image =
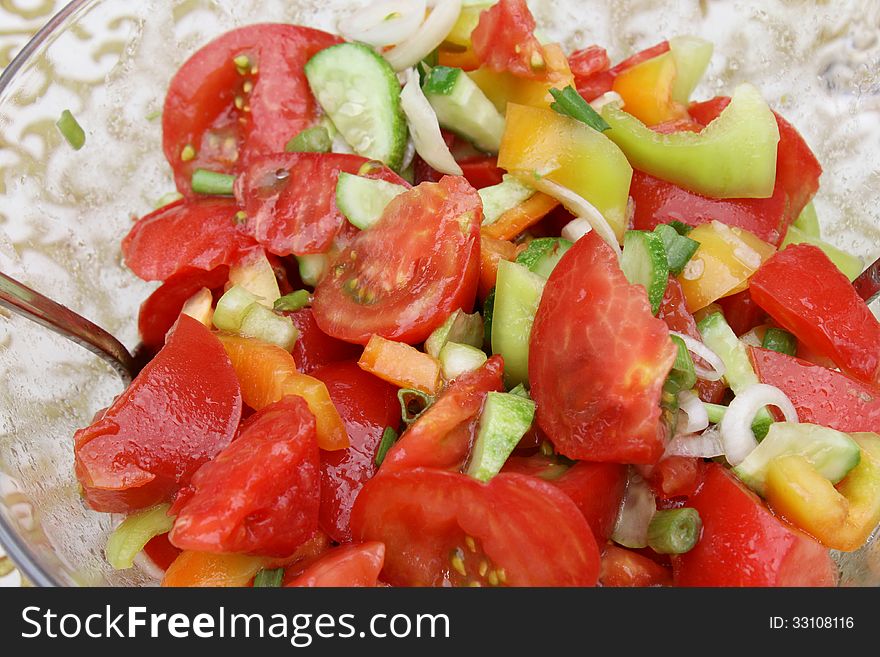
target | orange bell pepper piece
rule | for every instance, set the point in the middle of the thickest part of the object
(523, 216)
(465, 59)
(267, 373)
(206, 569)
(491, 251)
(646, 90)
(401, 365)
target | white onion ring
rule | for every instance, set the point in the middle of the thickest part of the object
(372, 24)
(581, 208)
(706, 445)
(576, 229)
(699, 349)
(736, 425)
(427, 37)
(424, 127)
(693, 409)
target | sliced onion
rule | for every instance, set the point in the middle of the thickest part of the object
(384, 22)
(751, 338)
(148, 566)
(699, 349)
(581, 208)
(736, 425)
(427, 37)
(706, 445)
(424, 128)
(607, 98)
(576, 229)
(697, 417)
(631, 529)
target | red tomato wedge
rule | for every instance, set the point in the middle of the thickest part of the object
(402, 278)
(314, 348)
(673, 310)
(367, 406)
(598, 329)
(596, 488)
(676, 476)
(741, 312)
(243, 95)
(161, 552)
(481, 171)
(592, 77)
(625, 568)
(290, 199)
(178, 414)
(808, 295)
(185, 235)
(442, 436)
(348, 566)
(820, 395)
(442, 528)
(261, 494)
(162, 308)
(504, 40)
(743, 544)
(797, 180)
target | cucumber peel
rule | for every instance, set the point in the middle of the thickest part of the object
(644, 263)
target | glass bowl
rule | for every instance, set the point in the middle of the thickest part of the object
(63, 213)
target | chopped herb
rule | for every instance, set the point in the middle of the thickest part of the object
(310, 140)
(389, 437)
(71, 130)
(680, 227)
(674, 531)
(269, 578)
(412, 404)
(569, 102)
(293, 301)
(679, 249)
(212, 183)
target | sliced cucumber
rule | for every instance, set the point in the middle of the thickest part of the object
(263, 324)
(312, 268)
(502, 197)
(517, 295)
(831, 452)
(850, 265)
(505, 419)
(232, 308)
(543, 254)
(462, 107)
(456, 359)
(458, 327)
(363, 200)
(720, 338)
(691, 56)
(808, 221)
(644, 263)
(360, 92)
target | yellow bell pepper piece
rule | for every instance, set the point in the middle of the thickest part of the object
(646, 90)
(723, 264)
(467, 21)
(541, 142)
(503, 88)
(841, 518)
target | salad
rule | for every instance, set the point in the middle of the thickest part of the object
(444, 305)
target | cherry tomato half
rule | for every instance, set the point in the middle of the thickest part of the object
(401, 278)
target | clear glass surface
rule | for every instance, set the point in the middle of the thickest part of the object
(63, 213)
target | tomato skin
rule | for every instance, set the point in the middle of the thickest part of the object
(625, 568)
(442, 436)
(673, 310)
(314, 349)
(295, 213)
(514, 521)
(820, 395)
(797, 180)
(596, 488)
(744, 544)
(162, 308)
(504, 40)
(598, 329)
(349, 566)
(201, 99)
(481, 171)
(367, 406)
(417, 265)
(808, 295)
(260, 495)
(183, 235)
(592, 77)
(180, 412)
